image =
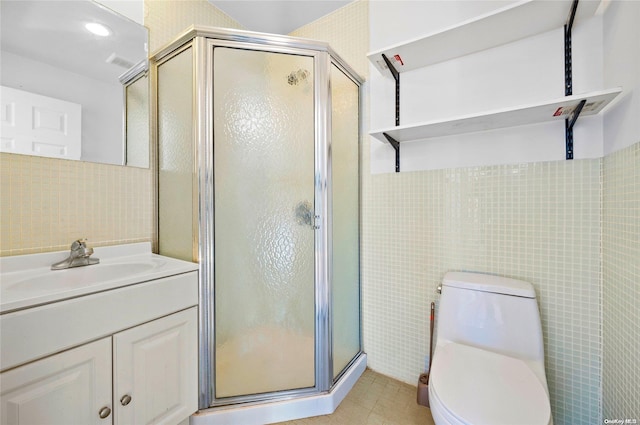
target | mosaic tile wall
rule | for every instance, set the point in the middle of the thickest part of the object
(48, 203)
(621, 284)
(166, 19)
(538, 222)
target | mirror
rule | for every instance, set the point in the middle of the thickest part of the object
(70, 93)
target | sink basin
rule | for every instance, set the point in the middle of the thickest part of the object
(28, 281)
(76, 277)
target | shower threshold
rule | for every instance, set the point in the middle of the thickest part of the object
(285, 410)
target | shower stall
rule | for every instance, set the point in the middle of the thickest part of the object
(258, 181)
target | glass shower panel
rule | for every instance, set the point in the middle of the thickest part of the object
(263, 112)
(345, 217)
(137, 123)
(175, 157)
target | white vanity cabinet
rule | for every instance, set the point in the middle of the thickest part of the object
(67, 388)
(154, 372)
(123, 354)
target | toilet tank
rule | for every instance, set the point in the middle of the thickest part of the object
(492, 312)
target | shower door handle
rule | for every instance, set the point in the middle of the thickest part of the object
(305, 216)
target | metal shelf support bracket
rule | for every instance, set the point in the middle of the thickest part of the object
(396, 145)
(568, 127)
(396, 76)
(393, 142)
(568, 80)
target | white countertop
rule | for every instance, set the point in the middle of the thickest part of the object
(27, 280)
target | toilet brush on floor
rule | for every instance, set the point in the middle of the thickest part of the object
(423, 380)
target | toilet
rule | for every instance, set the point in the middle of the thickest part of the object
(488, 362)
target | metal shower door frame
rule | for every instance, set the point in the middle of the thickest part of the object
(202, 40)
(205, 171)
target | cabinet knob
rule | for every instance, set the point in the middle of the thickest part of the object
(126, 399)
(104, 412)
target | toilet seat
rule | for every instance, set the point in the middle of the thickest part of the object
(476, 387)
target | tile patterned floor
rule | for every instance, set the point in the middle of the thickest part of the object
(375, 400)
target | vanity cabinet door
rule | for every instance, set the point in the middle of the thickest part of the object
(156, 370)
(72, 387)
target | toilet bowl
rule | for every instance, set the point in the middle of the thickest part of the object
(470, 385)
(488, 364)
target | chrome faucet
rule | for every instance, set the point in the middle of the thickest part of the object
(79, 256)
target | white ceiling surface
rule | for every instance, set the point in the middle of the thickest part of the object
(53, 32)
(277, 16)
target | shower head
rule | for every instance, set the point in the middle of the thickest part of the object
(297, 77)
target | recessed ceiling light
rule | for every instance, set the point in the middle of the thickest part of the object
(98, 29)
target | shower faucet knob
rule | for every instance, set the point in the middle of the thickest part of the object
(304, 214)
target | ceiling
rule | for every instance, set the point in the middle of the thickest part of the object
(53, 32)
(277, 16)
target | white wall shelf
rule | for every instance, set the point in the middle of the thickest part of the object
(516, 21)
(532, 113)
(505, 25)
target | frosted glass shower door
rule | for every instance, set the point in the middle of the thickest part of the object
(346, 220)
(263, 113)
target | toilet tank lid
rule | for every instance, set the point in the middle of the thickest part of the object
(489, 283)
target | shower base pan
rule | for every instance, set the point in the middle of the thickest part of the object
(286, 410)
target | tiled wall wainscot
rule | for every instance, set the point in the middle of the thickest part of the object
(621, 284)
(48, 203)
(538, 222)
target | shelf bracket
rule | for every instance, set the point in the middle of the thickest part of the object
(568, 127)
(396, 145)
(568, 81)
(396, 76)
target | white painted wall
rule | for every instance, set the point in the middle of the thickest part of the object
(102, 119)
(518, 73)
(621, 34)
